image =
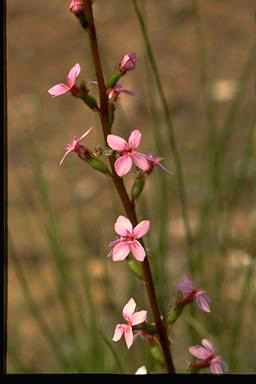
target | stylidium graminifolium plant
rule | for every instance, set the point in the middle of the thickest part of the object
(123, 156)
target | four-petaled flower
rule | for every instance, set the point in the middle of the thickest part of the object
(155, 161)
(61, 89)
(115, 91)
(132, 318)
(128, 62)
(189, 287)
(128, 152)
(206, 353)
(128, 241)
(75, 146)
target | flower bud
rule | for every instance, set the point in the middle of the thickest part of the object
(135, 267)
(77, 7)
(95, 163)
(137, 188)
(157, 353)
(173, 315)
(128, 62)
(90, 102)
(113, 79)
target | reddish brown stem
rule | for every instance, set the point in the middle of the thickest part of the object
(119, 185)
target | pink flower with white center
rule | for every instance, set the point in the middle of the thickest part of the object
(128, 241)
(155, 161)
(77, 7)
(189, 287)
(141, 371)
(75, 146)
(128, 62)
(206, 353)
(132, 318)
(115, 91)
(128, 152)
(61, 89)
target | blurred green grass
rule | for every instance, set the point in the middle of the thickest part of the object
(65, 296)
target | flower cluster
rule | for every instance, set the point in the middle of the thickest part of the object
(124, 154)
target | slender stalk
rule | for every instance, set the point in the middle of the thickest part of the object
(119, 185)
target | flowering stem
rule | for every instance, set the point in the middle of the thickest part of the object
(119, 185)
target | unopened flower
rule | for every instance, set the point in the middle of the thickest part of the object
(115, 91)
(128, 153)
(77, 7)
(155, 161)
(206, 353)
(128, 242)
(61, 89)
(128, 62)
(75, 146)
(190, 288)
(132, 318)
(141, 371)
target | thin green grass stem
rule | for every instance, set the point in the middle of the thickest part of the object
(37, 314)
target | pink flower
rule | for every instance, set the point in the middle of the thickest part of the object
(61, 89)
(115, 91)
(128, 62)
(132, 318)
(128, 241)
(128, 152)
(77, 7)
(75, 146)
(207, 354)
(141, 371)
(189, 287)
(155, 161)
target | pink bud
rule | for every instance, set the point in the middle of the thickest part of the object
(128, 62)
(77, 7)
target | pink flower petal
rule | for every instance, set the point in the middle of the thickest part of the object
(141, 229)
(123, 226)
(140, 160)
(84, 135)
(123, 165)
(134, 139)
(141, 371)
(128, 309)
(187, 286)
(218, 366)
(128, 336)
(117, 143)
(120, 252)
(208, 345)
(65, 155)
(72, 75)
(199, 352)
(138, 251)
(118, 332)
(58, 90)
(139, 317)
(202, 301)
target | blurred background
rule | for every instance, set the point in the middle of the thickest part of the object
(65, 295)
